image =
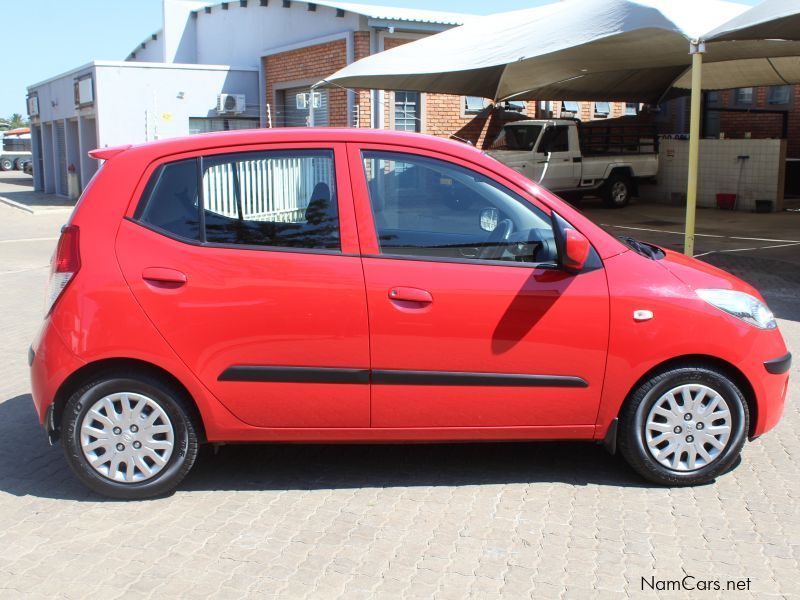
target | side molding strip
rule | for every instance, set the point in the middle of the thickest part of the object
(258, 373)
(392, 377)
(294, 374)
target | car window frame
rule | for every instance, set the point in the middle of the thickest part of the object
(370, 246)
(348, 238)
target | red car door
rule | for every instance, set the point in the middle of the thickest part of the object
(471, 323)
(246, 262)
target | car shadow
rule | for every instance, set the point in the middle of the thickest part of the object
(29, 466)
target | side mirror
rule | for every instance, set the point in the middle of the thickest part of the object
(573, 247)
(489, 218)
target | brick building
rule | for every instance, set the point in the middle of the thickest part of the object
(251, 63)
(754, 112)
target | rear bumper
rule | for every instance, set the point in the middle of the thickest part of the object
(51, 362)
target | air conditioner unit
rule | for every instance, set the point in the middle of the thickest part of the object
(231, 103)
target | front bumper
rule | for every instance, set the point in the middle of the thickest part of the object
(779, 366)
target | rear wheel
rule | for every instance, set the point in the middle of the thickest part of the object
(20, 163)
(617, 191)
(6, 164)
(129, 436)
(684, 426)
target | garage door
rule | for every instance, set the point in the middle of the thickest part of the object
(61, 158)
(295, 107)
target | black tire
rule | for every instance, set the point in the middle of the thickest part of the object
(617, 191)
(19, 164)
(171, 400)
(6, 164)
(633, 417)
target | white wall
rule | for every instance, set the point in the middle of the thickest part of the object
(240, 36)
(759, 177)
(138, 103)
(153, 50)
(180, 31)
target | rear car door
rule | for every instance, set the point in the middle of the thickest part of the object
(246, 262)
(471, 323)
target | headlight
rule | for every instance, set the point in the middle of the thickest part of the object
(743, 306)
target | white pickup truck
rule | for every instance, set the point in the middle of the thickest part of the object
(606, 159)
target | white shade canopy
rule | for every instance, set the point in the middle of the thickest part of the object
(622, 50)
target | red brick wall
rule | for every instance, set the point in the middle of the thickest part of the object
(311, 62)
(737, 124)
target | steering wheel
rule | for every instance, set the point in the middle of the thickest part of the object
(494, 244)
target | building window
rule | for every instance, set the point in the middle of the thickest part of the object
(570, 108)
(295, 104)
(779, 94)
(602, 110)
(84, 91)
(744, 96)
(33, 105)
(631, 108)
(407, 114)
(473, 105)
(205, 125)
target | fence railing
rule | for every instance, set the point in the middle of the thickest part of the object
(269, 189)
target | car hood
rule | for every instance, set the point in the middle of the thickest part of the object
(698, 274)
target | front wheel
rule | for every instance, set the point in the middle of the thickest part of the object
(685, 426)
(130, 436)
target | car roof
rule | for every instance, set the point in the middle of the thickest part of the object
(245, 137)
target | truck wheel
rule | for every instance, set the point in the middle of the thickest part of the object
(6, 164)
(19, 164)
(684, 426)
(617, 191)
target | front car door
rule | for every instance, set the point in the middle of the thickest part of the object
(471, 324)
(561, 170)
(246, 262)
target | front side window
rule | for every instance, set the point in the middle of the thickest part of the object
(428, 208)
(517, 137)
(281, 199)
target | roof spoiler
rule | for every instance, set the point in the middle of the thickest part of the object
(108, 153)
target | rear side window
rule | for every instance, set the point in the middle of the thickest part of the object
(277, 198)
(170, 200)
(283, 199)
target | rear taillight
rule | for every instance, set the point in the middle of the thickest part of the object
(65, 264)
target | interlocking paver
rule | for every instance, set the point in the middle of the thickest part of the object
(554, 520)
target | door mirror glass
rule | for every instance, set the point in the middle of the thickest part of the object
(489, 219)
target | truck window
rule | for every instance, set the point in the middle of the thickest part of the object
(555, 139)
(517, 137)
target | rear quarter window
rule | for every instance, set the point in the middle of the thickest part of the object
(170, 200)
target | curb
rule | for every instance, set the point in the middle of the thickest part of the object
(35, 210)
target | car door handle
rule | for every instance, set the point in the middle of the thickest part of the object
(163, 275)
(409, 294)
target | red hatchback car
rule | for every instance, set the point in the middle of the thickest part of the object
(322, 285)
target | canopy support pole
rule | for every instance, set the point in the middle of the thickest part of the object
(696, 49)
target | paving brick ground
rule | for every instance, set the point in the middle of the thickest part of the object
(555, 520)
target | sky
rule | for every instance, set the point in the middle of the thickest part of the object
(43, 38)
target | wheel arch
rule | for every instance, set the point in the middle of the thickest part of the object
(114, 365)
(702, 360)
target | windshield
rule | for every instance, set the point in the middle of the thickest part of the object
(517, 137)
